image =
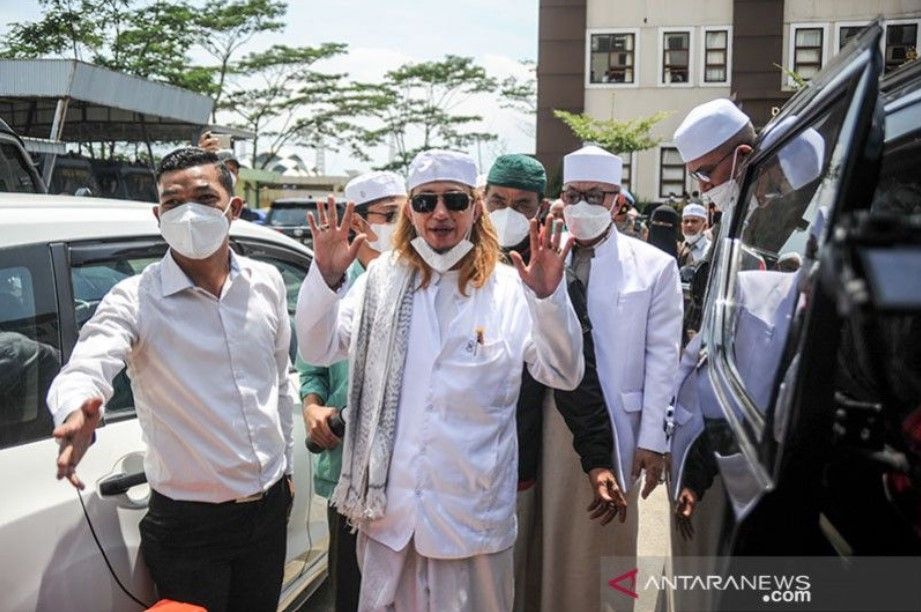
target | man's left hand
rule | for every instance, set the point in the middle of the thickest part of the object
(545, 268)
(654, 465)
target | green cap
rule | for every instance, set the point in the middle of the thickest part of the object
(518, 171)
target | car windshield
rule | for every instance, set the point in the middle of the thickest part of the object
(14, 171)
(141, 186)
(290, 216)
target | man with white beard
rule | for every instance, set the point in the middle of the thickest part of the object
(693, 228)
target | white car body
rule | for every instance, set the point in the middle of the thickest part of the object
(50, 560)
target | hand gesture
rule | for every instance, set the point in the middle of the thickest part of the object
(317, 418)
(609, 499)
(332, 253)
(654, 465)
(75, 436)
(545, 268)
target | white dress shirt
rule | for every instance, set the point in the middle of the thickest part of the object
(209, 376)
(453, 474)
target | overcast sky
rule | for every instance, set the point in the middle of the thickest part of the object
(383, 34)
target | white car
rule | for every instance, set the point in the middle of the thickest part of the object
(59, 255)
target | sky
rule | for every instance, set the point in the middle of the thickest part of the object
(384, 34)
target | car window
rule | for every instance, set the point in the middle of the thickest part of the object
(68, 180)
(14, 173)
(786, 201)
(91, 282)
(141, 186)
(286, 216)
(29, 344)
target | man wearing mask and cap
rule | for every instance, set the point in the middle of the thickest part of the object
(631, 304)
(436, 333)
(693, 228)
(378, 197)
(205, 336)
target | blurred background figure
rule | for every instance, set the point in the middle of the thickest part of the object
(663, 229)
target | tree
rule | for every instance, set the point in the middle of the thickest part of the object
(67, 27)
(288, 102)
(620, 137)
(520, 94)
(418, 107)
(225, 27)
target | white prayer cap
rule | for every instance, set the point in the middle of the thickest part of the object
(441, 165)
(802, 158)
(708, 126)
(592, 164)
(374, 186)
(694, 210)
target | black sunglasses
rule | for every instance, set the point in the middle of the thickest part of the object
(389, 216)
(454, 201)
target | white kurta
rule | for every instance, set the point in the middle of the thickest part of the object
(453, 475)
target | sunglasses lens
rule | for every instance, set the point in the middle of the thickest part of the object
(424, 202)
(456, 200)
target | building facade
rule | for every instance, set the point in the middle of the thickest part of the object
(629, 59)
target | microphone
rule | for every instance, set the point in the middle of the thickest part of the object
(336, 424)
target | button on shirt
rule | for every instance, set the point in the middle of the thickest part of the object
(209, 376)
(453, 474)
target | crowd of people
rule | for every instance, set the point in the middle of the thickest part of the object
(482, 345)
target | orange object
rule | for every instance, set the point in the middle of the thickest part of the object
(168, 605)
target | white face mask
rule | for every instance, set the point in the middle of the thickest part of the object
(441, 262)
(194, 230)
(586, 221)
(384, 233)
(723, 195)
(511, 226)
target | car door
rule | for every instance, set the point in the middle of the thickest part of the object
(816, 159)
(308, 535)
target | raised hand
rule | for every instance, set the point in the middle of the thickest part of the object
(332, 252)
(545, 268)
(609, 498)
(75, 436)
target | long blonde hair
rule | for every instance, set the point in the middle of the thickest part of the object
(476, 266)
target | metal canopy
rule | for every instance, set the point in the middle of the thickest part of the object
(96, 104)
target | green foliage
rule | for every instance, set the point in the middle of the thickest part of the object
(64, 29)
(520, 94)
(798, 80)
(619, 137)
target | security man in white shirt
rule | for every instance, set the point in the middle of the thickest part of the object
(436, 333)
(205, 336)
(634, 306)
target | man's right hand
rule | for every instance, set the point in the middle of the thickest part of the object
(317, 418)
(609, 497)
(332, 253)
(75, 436)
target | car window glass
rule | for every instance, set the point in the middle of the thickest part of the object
(293, 276)
(785, 203)
(290, 216)
(29, 344)
(14, 173)
(91, 282)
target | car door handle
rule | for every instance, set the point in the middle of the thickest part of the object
(120, 483)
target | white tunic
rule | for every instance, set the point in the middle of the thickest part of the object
(453, 475)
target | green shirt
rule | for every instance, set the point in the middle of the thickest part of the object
(331, 384)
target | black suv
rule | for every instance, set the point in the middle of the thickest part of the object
(797, 426)
(289, 216)
(17, 172)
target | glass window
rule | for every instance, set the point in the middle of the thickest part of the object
(676, 57)
(290, 216)
(293, 275)
(612, 58)
(14, 172)
(716, 56)
(672, 173)
(807, 52)
(628, 170)
(845, 33)
(901, 44)
(785, 205)
(29, 344)
(91, 282)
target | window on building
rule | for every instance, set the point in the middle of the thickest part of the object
(626, 178)
(676, 57)
(716, 56)
(845, 33)
(901, 44)
(613, 58)
(672, 177)
(807, 51)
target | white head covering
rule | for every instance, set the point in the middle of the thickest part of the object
(442, 165)
(708, 126)
(694, 210)
(592, 164)
(374, 186)
(801, 159)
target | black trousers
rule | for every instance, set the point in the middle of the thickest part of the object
(225, 556)
(344, 576)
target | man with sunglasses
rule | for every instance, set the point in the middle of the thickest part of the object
(378, 197)
(436, 333)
